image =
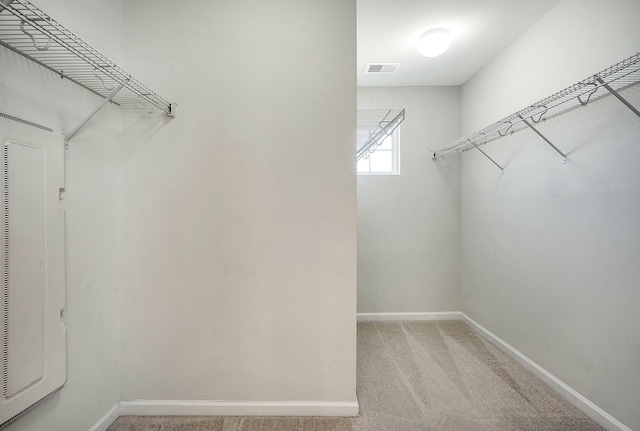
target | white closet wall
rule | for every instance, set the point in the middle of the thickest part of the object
(550, 252)
(240, 215)
(409, 225)
(92, 204)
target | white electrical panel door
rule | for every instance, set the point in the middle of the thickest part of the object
(33, 293)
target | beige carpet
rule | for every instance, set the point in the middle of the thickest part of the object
(418, 376)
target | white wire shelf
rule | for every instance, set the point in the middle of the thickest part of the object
(607, 82)
(374, 126)
(30, 32)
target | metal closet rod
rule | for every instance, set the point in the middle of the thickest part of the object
(622, 75)
(77, 47)
(41, 39)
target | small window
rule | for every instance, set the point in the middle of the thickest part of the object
(385, 160)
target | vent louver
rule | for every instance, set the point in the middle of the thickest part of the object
(382, 68)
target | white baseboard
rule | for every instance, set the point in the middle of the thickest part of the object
(107, 419)
(436, 315)
(239, 408)
(589, 408)
(349, 408)
(225, 408)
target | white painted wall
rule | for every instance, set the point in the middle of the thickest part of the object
(239, 216)
(550, 251)
(409, 224)
(92, 202)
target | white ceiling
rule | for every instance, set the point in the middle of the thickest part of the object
(388, 31)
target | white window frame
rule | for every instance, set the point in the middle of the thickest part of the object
(395, 151)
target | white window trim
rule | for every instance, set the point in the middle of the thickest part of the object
(395, 150)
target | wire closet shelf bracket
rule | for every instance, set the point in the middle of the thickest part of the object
(28, 31)
(607, 82)
(379, 131)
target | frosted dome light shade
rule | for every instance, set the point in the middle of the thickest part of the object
(434, 42)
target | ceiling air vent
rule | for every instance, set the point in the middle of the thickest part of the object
(382, 68)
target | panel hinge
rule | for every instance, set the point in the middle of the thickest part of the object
(61, 193)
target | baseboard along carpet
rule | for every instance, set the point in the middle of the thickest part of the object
(417, 375)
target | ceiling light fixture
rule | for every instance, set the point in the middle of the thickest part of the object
(434, 42)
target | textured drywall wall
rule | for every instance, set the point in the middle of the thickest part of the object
(240, 214)
(409, 224)
(550, 251)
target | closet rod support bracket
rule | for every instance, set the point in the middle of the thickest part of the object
(487, 156)
(96, 110)
(528, 123)
(172, 109)
(619, 97)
